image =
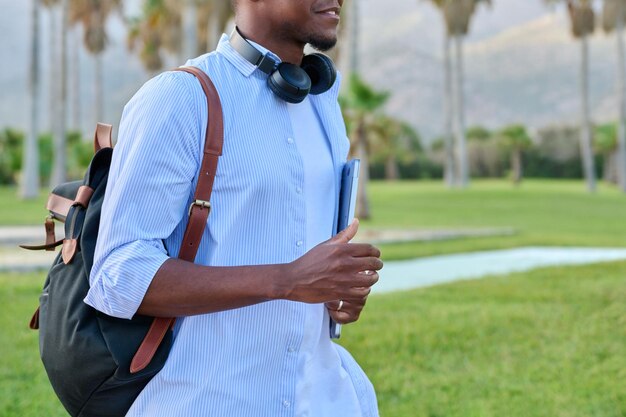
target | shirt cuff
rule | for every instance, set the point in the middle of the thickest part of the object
(119, 284)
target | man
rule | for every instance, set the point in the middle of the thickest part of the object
(254, 340)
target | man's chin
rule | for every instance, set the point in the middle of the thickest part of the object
(323, 44)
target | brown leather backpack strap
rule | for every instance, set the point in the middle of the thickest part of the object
(102, 138)
(198, 211)
(201, 206)
(150, 343)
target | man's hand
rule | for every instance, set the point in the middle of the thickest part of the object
(334, 270)
(347, 311)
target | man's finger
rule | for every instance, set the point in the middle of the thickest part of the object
(363, 249)
(347, 234)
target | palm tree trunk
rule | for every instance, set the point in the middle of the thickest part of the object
(354, 36)
(59, 165)
(585, 131)
(30, 174)
(202, 29)
(391, 168)
(362, 205)
(449, 166)
(98, 87)
(215, 23)
(607, 167)
(461, 146)
(190, 37)
(516, 165)
(53, 55)
(621, 93)
(76, 45)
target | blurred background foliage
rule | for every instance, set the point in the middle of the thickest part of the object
(161, 32)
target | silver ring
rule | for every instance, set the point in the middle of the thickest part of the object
(340, 305)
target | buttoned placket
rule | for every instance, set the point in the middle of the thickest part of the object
(292, 348)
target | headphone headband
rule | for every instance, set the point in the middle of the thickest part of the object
(264, 62)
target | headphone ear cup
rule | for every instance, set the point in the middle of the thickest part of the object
(321, 70)
(290, 83)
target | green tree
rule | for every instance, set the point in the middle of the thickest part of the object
(360, 104)
(10, 155)
(393, 140)
(515, 140)
(613, 20)
(165, 26)
(212, 18)
(158, 29)
(478, 133)
(606, 144)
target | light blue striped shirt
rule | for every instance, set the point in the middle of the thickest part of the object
(244, 362)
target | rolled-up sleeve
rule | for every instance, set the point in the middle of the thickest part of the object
(152, 173)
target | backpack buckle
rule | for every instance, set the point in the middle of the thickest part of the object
(200, 203)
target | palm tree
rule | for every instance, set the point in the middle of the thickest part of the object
(449, 174)
(30, 173)
(189, 29)
(606, 143)
(613, 19)
(457, 15)
(582, 19)
(360, 104)
(75, 77)
(212, 18)
(159, 29)
(93, 14)
(53, 43)
(515, 139)
(58, 112)
(393, 140)
(354, 33)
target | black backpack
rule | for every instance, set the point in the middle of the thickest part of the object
(98, 364)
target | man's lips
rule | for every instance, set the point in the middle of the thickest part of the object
(331, 12)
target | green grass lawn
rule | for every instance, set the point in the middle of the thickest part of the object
(17, 212)
(542, 344)
(542, 212)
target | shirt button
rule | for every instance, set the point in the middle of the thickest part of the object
(291, 349)
(289, 140)
(299, 190)
(299, 243)
(286, 404)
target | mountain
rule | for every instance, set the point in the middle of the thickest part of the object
(522, 66)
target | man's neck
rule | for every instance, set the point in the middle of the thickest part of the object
(291, 52)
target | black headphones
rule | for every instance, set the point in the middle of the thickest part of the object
(290, 82)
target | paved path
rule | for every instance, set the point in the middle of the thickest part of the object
(15, 235)
(402, 275)
(13, 258)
